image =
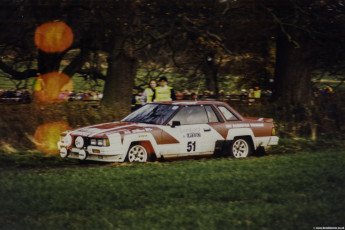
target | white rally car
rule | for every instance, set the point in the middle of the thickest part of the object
(170, 129)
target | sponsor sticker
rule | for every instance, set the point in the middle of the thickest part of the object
(244, 125)
(257, 125)
(190, 135)
(190, 130)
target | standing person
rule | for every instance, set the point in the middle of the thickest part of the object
(147, 95)
(38, 87)
(257, 92)
(163, 92)
(136, 101)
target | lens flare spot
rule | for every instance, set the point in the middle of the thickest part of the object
(47, 136)
(52, 85)
(53, 37)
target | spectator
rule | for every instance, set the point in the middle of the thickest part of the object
(63, 96)
(38, 87)
(148, 93)
(18, 94)
(251, 96)
(93, 96)
(26, 96)
(267, 93)
(136, 100)
(328, 90)
(179, 95)
(86, 96)
(257, 92)
(99, 95)
(194, 96)
(164, 92)
(205, 95)
(244, 95)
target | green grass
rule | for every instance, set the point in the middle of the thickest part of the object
(292, 191)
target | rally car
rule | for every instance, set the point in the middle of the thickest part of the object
(170, 129)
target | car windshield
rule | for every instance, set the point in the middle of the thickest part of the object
(152, 114)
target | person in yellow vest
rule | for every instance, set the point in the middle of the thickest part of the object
(38, 87)
(164, 92)
(136, 101)
(147, 95)
(257, 92)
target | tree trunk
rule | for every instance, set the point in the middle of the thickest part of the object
(49, 62)
(78, 62)
(119, 81)
(293, 69)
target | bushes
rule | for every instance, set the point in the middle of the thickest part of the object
(18, 123)
(288, 145)
(322, 119)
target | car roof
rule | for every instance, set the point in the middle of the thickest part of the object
(189, 102)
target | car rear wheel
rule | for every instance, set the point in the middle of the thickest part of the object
(240, 148)
(137, 153)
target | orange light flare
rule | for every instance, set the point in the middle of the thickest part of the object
(53, 37)
(52, 85)
(47, 136)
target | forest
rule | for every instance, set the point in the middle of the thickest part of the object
(288, 46)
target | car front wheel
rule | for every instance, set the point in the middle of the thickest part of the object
(137, 153)
(240, 148)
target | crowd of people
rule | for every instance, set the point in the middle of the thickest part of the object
(327, 90)
(163, 92)
(157, 91)
(26, 96)
(22, 96)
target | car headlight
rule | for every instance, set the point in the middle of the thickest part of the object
(100, 142)
(66, 139)
(93, 142)
(79, 142)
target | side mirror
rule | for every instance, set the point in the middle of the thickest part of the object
(175, 123)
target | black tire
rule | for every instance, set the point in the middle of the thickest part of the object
(241, 147)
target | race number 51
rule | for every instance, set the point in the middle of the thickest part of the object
(191, 145)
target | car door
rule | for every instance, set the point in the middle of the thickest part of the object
(195, 135)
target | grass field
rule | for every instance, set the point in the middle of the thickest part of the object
(291, 191)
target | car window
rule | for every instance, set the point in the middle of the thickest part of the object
(191, 115)
(152, 114)
(229, 116)
(212, 117)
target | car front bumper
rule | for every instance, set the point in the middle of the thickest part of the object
(92, 153)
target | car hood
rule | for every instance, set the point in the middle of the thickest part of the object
(106, 129)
